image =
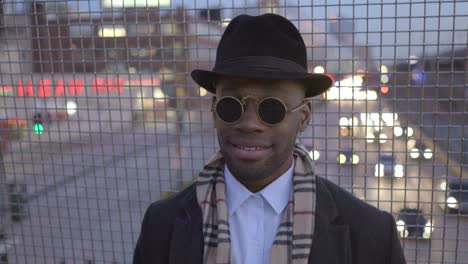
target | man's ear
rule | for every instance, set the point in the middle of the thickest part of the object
(306, 115)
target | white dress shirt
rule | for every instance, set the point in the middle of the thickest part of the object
(254, 218)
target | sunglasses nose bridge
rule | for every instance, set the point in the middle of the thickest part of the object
(250, 110)
(250, 118)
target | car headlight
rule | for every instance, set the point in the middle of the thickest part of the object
(443, 185)
(398, 131)
(429, 227)
(414, 153)
(382, 138)
(400, 225)
(452, 202)
(341, 158)
(379, 170)
(399, 171)
(344, 122)
(427, 154)
(355, 159)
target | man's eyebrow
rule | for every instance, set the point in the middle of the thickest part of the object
(229, 86)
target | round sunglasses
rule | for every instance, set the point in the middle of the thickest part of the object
(270, 110)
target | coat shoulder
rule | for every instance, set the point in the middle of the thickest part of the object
(350, 207)
(372, 232)
(157, 228)
(174, 206)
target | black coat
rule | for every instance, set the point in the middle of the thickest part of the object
(347, 230)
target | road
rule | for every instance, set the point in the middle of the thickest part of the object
(87, 200)
(419, 188)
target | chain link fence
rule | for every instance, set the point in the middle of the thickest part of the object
(99, 116)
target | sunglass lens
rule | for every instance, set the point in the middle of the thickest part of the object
(271, 111)
(229, 109)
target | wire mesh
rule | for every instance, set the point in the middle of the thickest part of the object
(99, 116)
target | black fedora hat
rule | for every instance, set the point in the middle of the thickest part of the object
(266, 47)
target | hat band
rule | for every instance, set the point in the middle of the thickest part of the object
(260, 62)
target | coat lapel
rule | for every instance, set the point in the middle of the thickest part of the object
(331, 237)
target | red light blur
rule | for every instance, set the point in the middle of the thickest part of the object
(384, 89)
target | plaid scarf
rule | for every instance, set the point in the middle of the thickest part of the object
(294, 237)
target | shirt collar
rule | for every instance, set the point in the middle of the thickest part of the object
(276, 193)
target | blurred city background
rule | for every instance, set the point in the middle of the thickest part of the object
(99, 116)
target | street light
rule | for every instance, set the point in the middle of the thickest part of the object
(319, 69)
(383, 69)
(314, 154)
(71, 108)
(203, 91)
(384, 78)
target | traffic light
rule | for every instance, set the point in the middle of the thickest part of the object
(38, 127)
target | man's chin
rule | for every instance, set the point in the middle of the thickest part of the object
(246, 171)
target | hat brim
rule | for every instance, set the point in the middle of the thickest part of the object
(314, 83)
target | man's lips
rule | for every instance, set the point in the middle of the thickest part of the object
(249, 151)
(248, 147)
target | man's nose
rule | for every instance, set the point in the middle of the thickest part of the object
(250, 121)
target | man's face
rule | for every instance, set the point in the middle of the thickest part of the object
(253, 150)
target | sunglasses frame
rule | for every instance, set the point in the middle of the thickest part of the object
(243, 101)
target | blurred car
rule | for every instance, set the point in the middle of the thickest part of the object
(411, 223)
(387, 167)
(405, 131)
(47, 117)
(347, 157)
(418, 150)
(11, 129)
(348, 126)
(456, 190)
(374, 135)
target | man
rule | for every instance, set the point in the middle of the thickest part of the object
(259, 200)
